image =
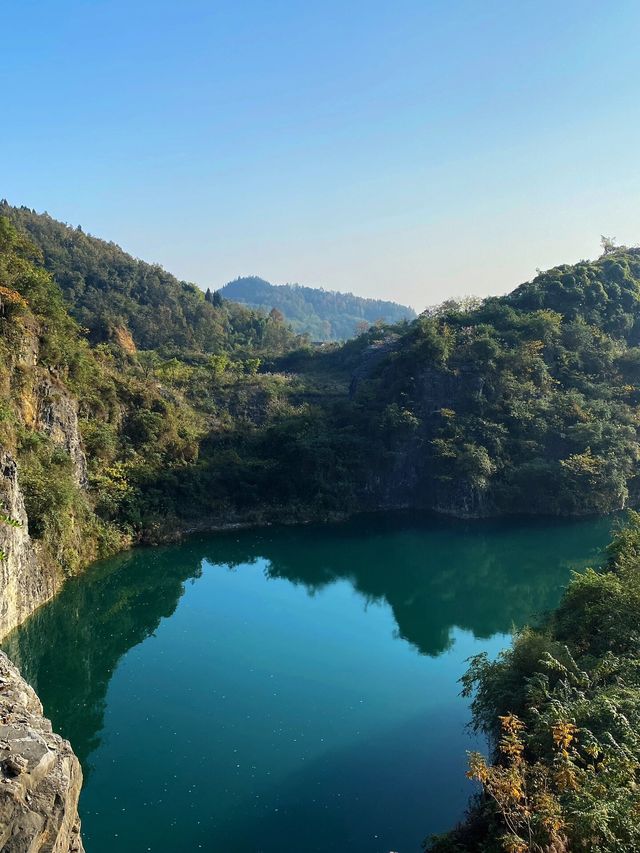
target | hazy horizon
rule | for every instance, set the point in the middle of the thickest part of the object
(413, 153)
(219, 285)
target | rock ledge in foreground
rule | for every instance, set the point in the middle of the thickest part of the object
(40, 777)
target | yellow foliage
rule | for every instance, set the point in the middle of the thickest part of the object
(11, 296)
(526, 794)
(563, 734)
(511, 743)
(565, 778)
(513, 844)
(584, 463)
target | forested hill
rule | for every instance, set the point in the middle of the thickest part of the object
(117, 296)
(523, 403)
(324, 315)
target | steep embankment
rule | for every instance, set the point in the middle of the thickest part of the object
(44, 508)
(40, 777)
(25, 582)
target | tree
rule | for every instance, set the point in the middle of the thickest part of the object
(276, 316)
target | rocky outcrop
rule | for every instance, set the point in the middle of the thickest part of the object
(43, 402)
(407, 477)
(25, 581)
(40, 777)
(371, 357)
(58, 418)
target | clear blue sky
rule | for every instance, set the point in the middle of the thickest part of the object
(406, 149)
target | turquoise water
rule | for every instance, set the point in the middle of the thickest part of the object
(288, 689)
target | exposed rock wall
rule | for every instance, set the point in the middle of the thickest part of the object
(25, 581)
(58, 418)
(43, 402)
(45, 405)
(407, 480)
(40, 777)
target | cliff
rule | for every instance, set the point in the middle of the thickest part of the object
(45, 534)
(58, 419)
(40, 777)
(25, 581)
(29, 573)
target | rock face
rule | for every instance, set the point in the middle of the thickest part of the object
(58, 418)
(25, 582)
(40, 777)
(370, 359)
(407, 478)
(43, 405)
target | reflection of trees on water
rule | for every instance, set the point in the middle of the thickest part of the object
(434, 575)
(480, 576)
(69, 649)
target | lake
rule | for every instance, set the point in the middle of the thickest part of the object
(288, 689)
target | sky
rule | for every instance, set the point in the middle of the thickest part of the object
(411, 150)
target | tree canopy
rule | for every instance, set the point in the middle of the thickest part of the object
(324, 315)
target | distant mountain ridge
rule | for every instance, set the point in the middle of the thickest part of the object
(324, 315)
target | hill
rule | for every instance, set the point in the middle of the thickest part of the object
(324, 315)
(525, 403)
(115, 295)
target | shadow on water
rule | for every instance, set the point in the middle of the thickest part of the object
(327, 805)
(434, 573)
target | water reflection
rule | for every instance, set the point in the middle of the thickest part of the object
(434, 575)
(69, 649)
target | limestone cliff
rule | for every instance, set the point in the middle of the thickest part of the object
(406, 479)
(40, 777)
(25, 581)
(57, 417)
(42, 405)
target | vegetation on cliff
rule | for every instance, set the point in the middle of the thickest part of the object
(525, 403)
(196, 412)
(173, 436)
(562, 709)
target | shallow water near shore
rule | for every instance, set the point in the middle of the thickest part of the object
(290, 688)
